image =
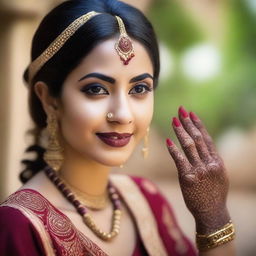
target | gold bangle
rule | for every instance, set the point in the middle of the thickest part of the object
(217, 238)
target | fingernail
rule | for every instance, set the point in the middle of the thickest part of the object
(193, 116)
(176, 122)
(169, 142)
(183, 112)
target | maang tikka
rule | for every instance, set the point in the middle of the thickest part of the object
(145, 146)
(124, 46)
(53, 155)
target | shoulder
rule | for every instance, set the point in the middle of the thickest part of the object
(146, 189)
(27, 199)
(11, 218)
(13, 222)
(156, 199)
(17, 233)
(175, 241)
(146, 185)
(15, 210)
(143, 185)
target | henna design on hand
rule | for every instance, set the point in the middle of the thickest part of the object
(202, 174)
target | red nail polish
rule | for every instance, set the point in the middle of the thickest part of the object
(183, 112)
(169, 142)
(176, 122)
(193, 116)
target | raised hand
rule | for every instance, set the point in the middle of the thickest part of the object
(202, 175)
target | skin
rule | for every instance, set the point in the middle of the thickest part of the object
(202, 176)
(88, 160)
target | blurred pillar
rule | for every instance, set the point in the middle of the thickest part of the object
(19, 20)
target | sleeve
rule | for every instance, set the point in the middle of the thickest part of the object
(17, 234)
(174, 239)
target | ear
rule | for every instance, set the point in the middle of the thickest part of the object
(49, 103)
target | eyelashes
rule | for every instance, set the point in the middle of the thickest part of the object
(97, 89)
(94, 89)
(140, 89)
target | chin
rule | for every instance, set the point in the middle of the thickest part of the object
(113, 160)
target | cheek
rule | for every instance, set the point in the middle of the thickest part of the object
(144, 114)
(81, 116)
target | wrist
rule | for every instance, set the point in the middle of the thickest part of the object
(220, 237)
(210, 222)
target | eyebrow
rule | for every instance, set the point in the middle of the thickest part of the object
(100, 76)
(141, 77)
(112, 80)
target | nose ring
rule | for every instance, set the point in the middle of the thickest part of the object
(110, 115)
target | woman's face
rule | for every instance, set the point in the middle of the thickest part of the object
(103, 84)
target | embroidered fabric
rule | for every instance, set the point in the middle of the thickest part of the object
(66, 239)
(61, 237)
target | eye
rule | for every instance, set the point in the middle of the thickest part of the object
(94, 89)
(140, 89)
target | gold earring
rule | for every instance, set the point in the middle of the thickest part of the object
(53, 155)
(144, 150)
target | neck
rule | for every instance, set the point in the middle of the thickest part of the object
(86, 175)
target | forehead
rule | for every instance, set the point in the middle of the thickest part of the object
(105, 59)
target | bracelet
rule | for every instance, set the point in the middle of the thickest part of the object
(217, 238)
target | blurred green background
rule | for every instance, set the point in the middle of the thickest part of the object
(216, 77)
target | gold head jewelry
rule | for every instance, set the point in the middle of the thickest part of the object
(145, 147)
(53, 154)
(124, 46)
(56, 45)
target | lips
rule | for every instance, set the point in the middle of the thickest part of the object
(115, 139)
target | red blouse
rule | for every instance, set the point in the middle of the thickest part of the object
(31, 225)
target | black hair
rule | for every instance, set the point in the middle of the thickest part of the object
(96, 30)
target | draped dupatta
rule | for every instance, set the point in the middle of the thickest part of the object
(158, 231)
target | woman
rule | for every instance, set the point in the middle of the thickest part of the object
(95, 65)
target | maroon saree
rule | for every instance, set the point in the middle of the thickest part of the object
(31, 225)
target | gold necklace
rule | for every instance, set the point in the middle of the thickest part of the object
(95, 202)
(87, 218)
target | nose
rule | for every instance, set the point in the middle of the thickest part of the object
(120, 110)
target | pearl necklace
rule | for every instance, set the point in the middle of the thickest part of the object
(81, 209)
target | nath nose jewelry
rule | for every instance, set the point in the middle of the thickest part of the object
(110, 115)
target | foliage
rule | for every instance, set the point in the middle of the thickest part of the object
(230, 98)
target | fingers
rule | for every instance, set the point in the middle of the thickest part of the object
(187, 143)
(180, 160)
(195, 134)
(199, 150)
(206, 137)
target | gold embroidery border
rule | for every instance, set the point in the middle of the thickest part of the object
(142, 213)
(37, 223)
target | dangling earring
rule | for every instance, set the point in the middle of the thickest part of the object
(144, 150)
(53, 154)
